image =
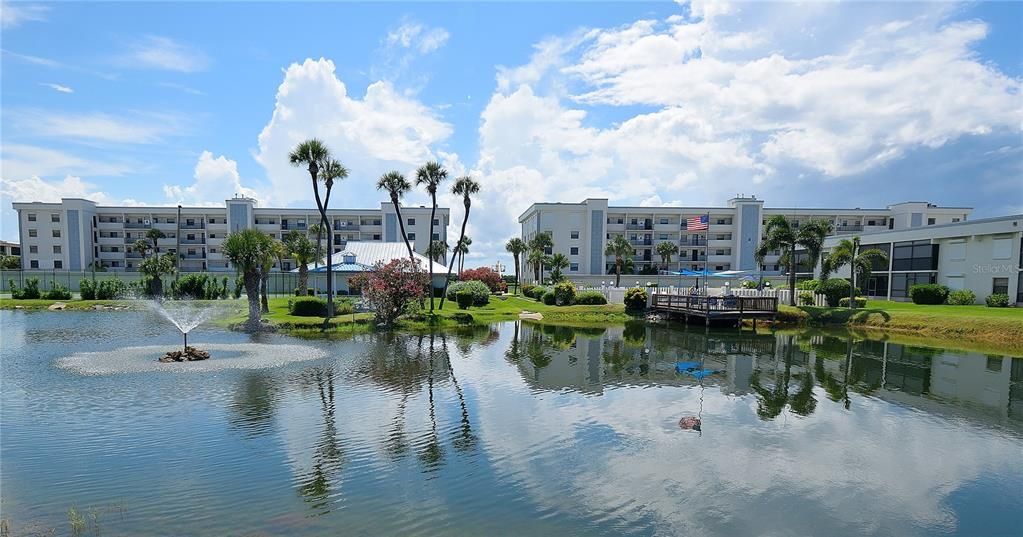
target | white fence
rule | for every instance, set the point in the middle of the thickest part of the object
(616, 295)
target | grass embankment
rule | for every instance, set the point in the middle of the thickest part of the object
(38, 304)
(999, 329)
(497, 310)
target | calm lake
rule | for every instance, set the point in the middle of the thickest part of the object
(512, 429)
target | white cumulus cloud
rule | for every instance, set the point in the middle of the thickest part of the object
(384, 130)
(216, 179)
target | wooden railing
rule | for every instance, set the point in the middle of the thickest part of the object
(741, 304)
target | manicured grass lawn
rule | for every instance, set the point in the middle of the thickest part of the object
(74, 305)
(996, 328)
(509, 307)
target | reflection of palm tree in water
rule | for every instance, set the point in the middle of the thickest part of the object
(771, 402)
(327, 456)
(431, 455)
(464, 439)
(253, 404)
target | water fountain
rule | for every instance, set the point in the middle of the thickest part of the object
(186, 315)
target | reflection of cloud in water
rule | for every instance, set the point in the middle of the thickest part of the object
(222, 356)
(879, 469)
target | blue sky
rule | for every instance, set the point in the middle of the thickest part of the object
(813, 104)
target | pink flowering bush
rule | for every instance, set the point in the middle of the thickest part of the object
(487, 275)
(391, 288)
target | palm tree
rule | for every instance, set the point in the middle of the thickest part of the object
(397, 186)
(861, 263)
(780, 234)
(466, 187)
(314, 155)
(535, 260)
(666, 250)
(246, 250)
(437, 250)
(142, 246)
(558, 263)
(331, 171)
(274, 253)
(154, 268)
(460, 250)
(516, 247)
(540, 243)
(431, 175)
(302, 250)
(154, 235)
(619, 247)
(319, 230)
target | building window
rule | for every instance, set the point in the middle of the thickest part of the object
(1000, 286)
(411, 221)
(573, 250)
(213, 235)
(436, 236)
(31, 217)
(719, 267)
(621, 220)
(547, 251)
(915, 255)
(436, 221)
(33, 249)
(930, 221)
(58, 264)
(573, 267)
(574, 235)
(56, 233)
(32, 233)
(901, 283)
(56, 248)
(376, 236)
(55, 218)
(411, 236)
(33, 263)
(954, 220)
(994, 364)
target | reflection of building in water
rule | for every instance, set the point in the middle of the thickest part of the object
(556, 358)
(991, 383)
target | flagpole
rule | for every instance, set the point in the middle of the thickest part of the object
(706, 277)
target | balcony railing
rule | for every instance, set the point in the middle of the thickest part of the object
(136, 225)
(639, 226)
(641, 242)
(345, 227)
(196, 225)
(193, 241)
(849, 228)
(694, 242)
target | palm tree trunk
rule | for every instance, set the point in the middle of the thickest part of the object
(264, 286)
(451, 265)
(330, 255)
(618, 273)
(303, 278)
(401, 226)
(516, 261)
(792, 275)
(323, 222)
(251, 279)
(433, 213)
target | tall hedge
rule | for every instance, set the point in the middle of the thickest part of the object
(928, 293)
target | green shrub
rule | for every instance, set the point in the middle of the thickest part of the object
(748, 284)
(111, 289)
(479, 290)
(635, 299)
(834, 290)
(549, 298)
(997, 300)
(198, 287)
(310, 306)
(809, 285)
(591, 298)
(806, 298)
(860, 302)
(527, 289)
(239, 286)
(962, 297)
(928, 293)
(308, 291)
(30, 291)
(307, 306)
(464, 298)
(536, 292)
(564, 294)
(58, 292)
(87, 288)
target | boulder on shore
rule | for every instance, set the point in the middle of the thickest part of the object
(190, 354)
(57, 306)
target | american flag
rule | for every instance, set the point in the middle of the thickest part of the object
(697, 223)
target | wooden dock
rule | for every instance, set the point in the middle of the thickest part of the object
(715, 308)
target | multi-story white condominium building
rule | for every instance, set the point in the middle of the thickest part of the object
(75, 233)
(9, 248)
(984, 256)
(727, 241)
